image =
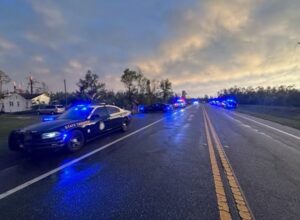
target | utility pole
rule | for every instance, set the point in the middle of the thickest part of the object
(65, 86)
(31, 84)
(15, 86)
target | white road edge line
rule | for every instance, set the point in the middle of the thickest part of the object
(43, 176)
(283, 132)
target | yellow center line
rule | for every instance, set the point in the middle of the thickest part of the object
(219, 188)
(239, 198)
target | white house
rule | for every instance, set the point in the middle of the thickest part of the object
(18, 102)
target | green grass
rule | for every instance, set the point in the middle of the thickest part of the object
(11, 122)
(289, 116)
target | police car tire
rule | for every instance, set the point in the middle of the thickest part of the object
(125, 125)
(70, 145)
(12, 145)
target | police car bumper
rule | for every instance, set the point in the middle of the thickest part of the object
(30, 142)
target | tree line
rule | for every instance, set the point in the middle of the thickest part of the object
(279, 96)
(138, 90)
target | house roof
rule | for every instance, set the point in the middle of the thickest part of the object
(24, 95)
(29, 96)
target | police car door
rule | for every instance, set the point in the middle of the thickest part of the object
(115, 116)
(102, 123)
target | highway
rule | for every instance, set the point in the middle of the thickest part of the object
(202, 162)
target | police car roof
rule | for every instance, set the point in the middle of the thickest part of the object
(87, 105)
(95, 105)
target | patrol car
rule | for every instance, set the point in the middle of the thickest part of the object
(72, 129)
(156, 107)
(180, 103)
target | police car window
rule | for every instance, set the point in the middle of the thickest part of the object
(112, 110)
(77, 113)
(101, 111)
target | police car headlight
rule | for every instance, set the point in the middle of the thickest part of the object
(51, 135)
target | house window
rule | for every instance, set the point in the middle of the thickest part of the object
(11, 103)
(18, 104)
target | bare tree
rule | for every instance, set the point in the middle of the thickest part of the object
(32, 84)
(166, 89)
(152, 93)
(129, 79)
(4, 78)
(43, 88)
(141, 82)
(183, 94)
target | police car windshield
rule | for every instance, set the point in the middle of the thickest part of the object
(77, 113)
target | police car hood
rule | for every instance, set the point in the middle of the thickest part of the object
(50, 125)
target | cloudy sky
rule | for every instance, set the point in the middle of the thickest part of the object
(201, 46)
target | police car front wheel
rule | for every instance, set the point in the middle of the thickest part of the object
(125, 125)
(76, 141)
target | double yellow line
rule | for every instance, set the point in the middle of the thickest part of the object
(239, 198)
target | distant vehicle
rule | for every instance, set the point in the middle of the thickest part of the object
(157, 107)
(51, 109)
(71, 130)
(227, 103)
(223, 104)
(192, 101)
(179, 103)
(230, 104)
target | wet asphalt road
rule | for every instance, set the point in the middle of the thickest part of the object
(162, 172)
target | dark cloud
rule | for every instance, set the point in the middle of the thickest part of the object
(202, 46)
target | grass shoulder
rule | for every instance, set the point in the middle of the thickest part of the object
(289, 116)
(10, 122)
